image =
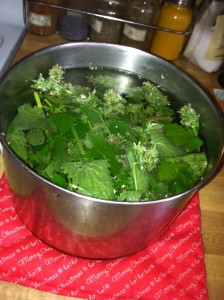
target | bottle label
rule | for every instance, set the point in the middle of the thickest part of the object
(215, 50)
(134, 33)
(96, 25)
(39, 20)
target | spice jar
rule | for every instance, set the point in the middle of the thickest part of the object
(106, 30)
(175, 15)
(144, 12)
(71, 24)
(42, 19)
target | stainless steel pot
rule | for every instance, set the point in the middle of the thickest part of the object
(85, 226)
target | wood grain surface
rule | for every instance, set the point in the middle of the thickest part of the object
(211, 196)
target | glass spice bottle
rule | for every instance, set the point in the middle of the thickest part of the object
(106, 30)
(72, 25)
(144, 12)
(175, 15)
(41, 19)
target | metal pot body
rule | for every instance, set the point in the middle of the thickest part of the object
(85, 226)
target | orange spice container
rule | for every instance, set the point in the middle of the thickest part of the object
(175, 15)
(42, 19)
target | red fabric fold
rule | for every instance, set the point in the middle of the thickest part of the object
(171, 268)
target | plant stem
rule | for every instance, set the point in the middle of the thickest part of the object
(105, 126)
(48, 102)
(78, 141)
(37, 98)
(134, 176)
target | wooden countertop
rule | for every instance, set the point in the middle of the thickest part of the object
(211, 196)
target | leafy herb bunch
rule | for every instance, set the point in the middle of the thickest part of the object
(98, 142)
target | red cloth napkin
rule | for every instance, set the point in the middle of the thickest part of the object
(172, 268)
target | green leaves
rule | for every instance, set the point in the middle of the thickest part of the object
(182, 172)
(63, 122)
(92, 178)
(108, 145)
(29, 117)
(180, 136)
(95, 180)
(35, 137)
(18, 143)
(140, 177)
(165, 147)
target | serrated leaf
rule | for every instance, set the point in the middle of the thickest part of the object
(59, 147)
(51, 169)
(182, 137)
(118, 126)
(129, 196)
(72, 170)
(17, 142)
(63, 122)
(35, 137)
(178, 175)
(165, 147)
(193, 144)
(169, 170)
(29, 117)
(158, 189)
(102, 149)
(197, 163)
(42, 156)
(95, 180)
(93, 116)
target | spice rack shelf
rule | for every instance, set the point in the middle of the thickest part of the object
(90, 13)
